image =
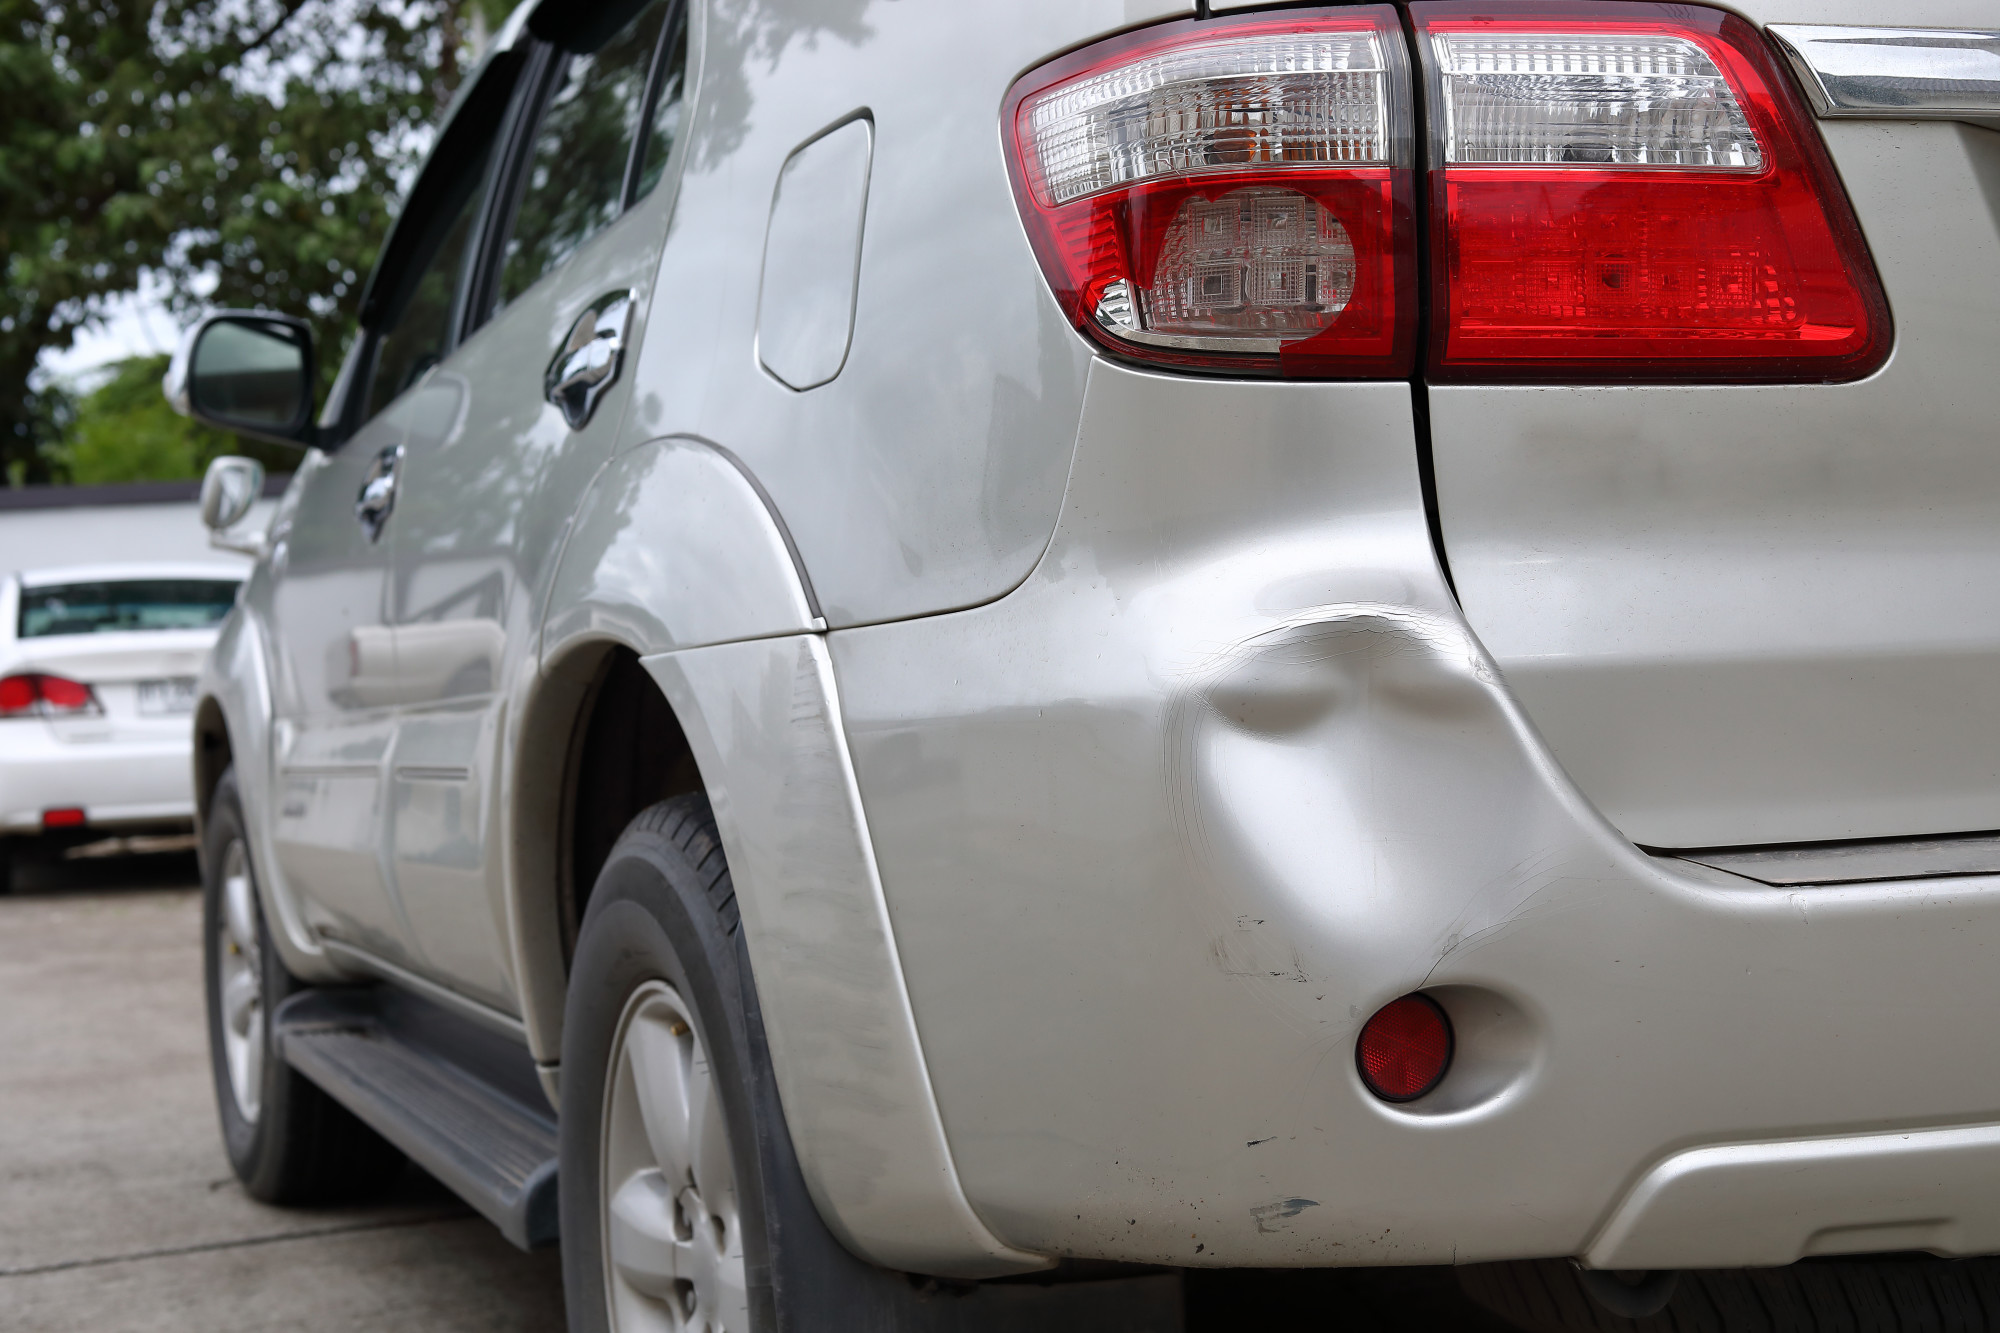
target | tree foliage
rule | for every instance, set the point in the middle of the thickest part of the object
(243, 152)
(124, 431)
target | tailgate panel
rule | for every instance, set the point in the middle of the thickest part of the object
(1757, 614)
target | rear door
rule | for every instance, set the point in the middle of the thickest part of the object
(493, 468)
(331, 719)
(1767, 613)
(338, 689)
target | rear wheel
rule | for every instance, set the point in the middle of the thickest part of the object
(670, 1209)
(287, 1141)
(663, 1213)
(683, 1206)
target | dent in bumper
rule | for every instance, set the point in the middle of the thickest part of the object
(1159, 830)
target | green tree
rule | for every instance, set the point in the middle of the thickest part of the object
(124, 431)
(245, 152)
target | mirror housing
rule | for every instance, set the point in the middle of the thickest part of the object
(227, 492)
(247, 371)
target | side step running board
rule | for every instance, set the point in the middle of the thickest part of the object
(408, 1070)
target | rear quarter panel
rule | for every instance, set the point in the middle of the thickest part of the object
(928, 474)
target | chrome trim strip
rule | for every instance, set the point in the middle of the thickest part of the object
(1896, 73)
(1855, 862)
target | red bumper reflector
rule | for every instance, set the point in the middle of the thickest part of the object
(67, 816)
(1405, 1049)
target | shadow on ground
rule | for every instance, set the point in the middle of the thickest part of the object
(40, 870)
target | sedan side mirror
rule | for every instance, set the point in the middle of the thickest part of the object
(227, 492)
(246, 371)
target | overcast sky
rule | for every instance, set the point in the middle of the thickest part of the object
(138, 325)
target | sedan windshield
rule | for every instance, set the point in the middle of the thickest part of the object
(128, 604)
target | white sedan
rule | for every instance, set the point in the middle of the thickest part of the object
(97, 682)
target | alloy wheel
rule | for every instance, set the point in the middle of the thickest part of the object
(240, 982)
(672, 1228)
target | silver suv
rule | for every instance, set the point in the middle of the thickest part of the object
(946, 663)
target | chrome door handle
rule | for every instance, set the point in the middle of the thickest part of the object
(590, 358)
(378, 491)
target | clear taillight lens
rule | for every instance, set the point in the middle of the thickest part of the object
(1632, 192)
(1233, 195)
(32, 694)
(1606, 99)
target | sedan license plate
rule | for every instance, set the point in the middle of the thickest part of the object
(163, 698)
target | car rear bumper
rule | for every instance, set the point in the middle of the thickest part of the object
(1159, 830)
(115, 782)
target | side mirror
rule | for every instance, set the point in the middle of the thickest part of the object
(249, 372)
(227, 492)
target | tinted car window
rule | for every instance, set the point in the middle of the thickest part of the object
(664, 125)
(136, 604)
(573, 181)
(420, 335)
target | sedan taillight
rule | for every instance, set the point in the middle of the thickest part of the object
(36, 694)
(1625, 192)
(1233, 195)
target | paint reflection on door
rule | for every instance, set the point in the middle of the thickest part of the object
(449, 588)
(334, 728)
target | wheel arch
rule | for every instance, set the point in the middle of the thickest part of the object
(597, 743)
(682, 648)
(213, 755)
(676, 545)
(673, 545)
(233, 728)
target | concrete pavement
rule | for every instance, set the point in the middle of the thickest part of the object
(117, 1208)
(118, 1211)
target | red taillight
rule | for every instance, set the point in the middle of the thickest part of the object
(1618, 193)
(1633, 192)
(1232, 195)
(17, 695)
(67, 816)
(1405, 1049)
(39, 695)
(66, 696)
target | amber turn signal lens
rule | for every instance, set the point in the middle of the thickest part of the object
(1405, 1049)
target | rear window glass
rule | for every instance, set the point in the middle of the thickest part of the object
(135, 604)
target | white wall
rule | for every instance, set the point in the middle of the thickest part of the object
(90, 534)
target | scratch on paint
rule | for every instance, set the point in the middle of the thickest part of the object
(1271, 1217)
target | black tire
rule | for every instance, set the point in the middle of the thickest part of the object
(1896, 1294)
(664, 909)
(6, 866)
(302, 1147)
